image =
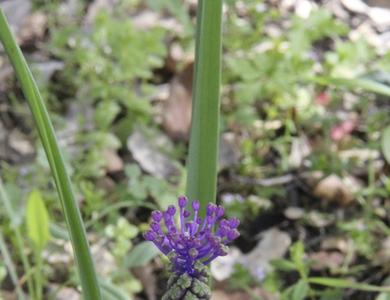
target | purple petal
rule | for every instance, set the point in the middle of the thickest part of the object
(195, 205)
(234, 223)
(149, 235)
(157, 215)
(210, 209)
(182, 201)
(220, 212)
(233, 234)
(171, 210)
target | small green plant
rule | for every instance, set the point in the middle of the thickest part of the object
(306, 286)
(122, 233)
(139, 187)
(109, 73)
(17, 233)
(37, 221)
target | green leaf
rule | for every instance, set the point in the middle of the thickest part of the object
(3, 272)
(300, 290)
(37, 106)
(297, 252)
(37, 220)
(111, 292)
(204, 141)
(58, 232)
(332, 294)
(386, 143)
(105, 113)
(362, 83)
(12, 198)
(383, 296)
(345, 283)
(9, 210)
(141, 254)
(283, 265)
(7, 263)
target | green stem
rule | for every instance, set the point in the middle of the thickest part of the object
(38, 273)
(18, 236)
(203, 149)
(86, 271)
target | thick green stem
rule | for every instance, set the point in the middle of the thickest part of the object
(86, 271)
(204, 140)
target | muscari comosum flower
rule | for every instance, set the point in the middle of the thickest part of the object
(191, 246)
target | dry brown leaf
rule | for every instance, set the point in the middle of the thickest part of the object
(356, 6)
(67, 294)
(300, 149)
(103, 259)
(380, 3)
(380, 17)
(335, 243)
(8, 295)
(229, 153)
(150, 159)
(33, 28)
(146, 20)
(337, 9)
(6, 72)
(323, 260)
(114, 162)
(273, 245)
(16, 11)
(332, 188)
(177, 110)
(319, 220)
(383, 255)
(3, 138)
(147, 277)
(294, 213)
(106, 183)
(20, 143)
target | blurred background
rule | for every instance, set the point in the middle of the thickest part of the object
(304, 147)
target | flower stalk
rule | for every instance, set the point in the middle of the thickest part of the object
(204, 136)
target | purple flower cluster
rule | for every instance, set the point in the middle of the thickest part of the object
(195, 240)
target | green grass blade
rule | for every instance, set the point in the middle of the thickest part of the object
(365, 84)
(88, 278)
(347, 284)
(203, 150)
